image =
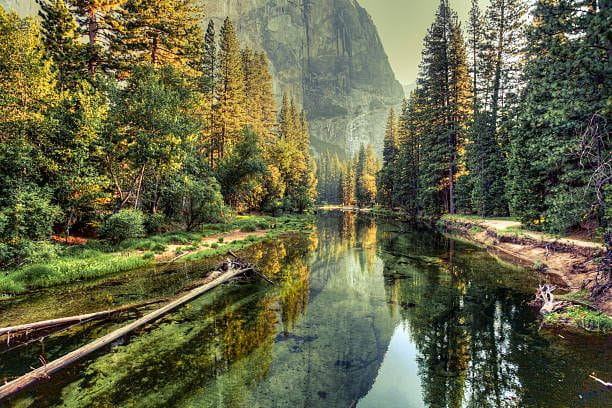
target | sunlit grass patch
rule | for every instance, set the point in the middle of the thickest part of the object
(581, 316)
(89, 264)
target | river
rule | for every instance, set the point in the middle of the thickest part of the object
(366, 313)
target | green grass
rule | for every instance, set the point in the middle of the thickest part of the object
(98, 259)
(87, 265)
(583, 317)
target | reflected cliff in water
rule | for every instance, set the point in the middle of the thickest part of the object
(364, 313)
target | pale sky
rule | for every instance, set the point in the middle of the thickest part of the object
(402, 25)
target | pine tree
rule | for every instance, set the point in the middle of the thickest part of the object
(366, 170)
(159, 32)
(349, 179)
(209, 60)
(567, 92)
(231, 104)
(505, 20)
(62, 41)
(476, 47)
(99, 22)
(406, 170)
(445, 83)
(390, 152)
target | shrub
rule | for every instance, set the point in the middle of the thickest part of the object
(249, 228)
(156, 223)
(29, 216)
(214, 246)
(221, 239)
(123, 225)
(148, 256)
(35, 273)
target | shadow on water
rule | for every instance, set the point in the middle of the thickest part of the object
(365, 313)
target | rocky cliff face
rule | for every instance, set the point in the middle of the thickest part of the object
(22, 7)
(327, 54)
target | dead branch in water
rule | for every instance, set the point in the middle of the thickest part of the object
(13, 387)
(47, 324)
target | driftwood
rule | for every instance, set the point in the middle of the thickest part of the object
(545, 295)
(602, 382)
(42, 373)
(47, 324)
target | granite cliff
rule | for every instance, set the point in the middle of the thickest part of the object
(327, 54)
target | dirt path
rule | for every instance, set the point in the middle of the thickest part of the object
(228, 238)
(502, 225)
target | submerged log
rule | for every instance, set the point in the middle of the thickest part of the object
(13, 387)
(47, 324)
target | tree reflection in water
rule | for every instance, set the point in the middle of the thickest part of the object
(325, 334)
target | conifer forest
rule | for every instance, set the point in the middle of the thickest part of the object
(317, 203)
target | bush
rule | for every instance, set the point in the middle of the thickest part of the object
(156, 223)
(125, 224)
(29, 216)
(35, 273)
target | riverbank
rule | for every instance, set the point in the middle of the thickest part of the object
(566, 262)
(96, 259)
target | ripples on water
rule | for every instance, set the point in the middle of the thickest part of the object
(365, 313)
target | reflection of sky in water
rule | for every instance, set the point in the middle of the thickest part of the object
(398, 383)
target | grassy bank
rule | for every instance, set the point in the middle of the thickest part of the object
(97, 259)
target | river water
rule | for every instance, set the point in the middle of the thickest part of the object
(366, 313)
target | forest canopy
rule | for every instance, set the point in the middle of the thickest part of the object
(108, 106)
(510, 117)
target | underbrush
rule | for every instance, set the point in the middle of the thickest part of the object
(581, 316)
(100, 258)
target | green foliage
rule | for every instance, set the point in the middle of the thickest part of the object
(366, 169)
(582, 316)
(559, 136)
(62, 41)
(123, 225)
(239, 172)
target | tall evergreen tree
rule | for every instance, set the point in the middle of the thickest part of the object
(407, 166)
(445, 83)
(231, 104)
(566, 97)
(209, 59)
(390, 152)
(62, 41)
(99, 22)
(159, 32)
(366, 170)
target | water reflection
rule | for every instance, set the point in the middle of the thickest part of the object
(364, 314)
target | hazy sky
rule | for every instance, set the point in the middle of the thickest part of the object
(402, 25)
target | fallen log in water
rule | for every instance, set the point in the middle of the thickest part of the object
(46, 324)
(44, 372)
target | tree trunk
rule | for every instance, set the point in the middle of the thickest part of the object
(92, 32)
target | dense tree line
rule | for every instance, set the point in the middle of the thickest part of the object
(112, 105)
(358, 180)
(510, 118)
